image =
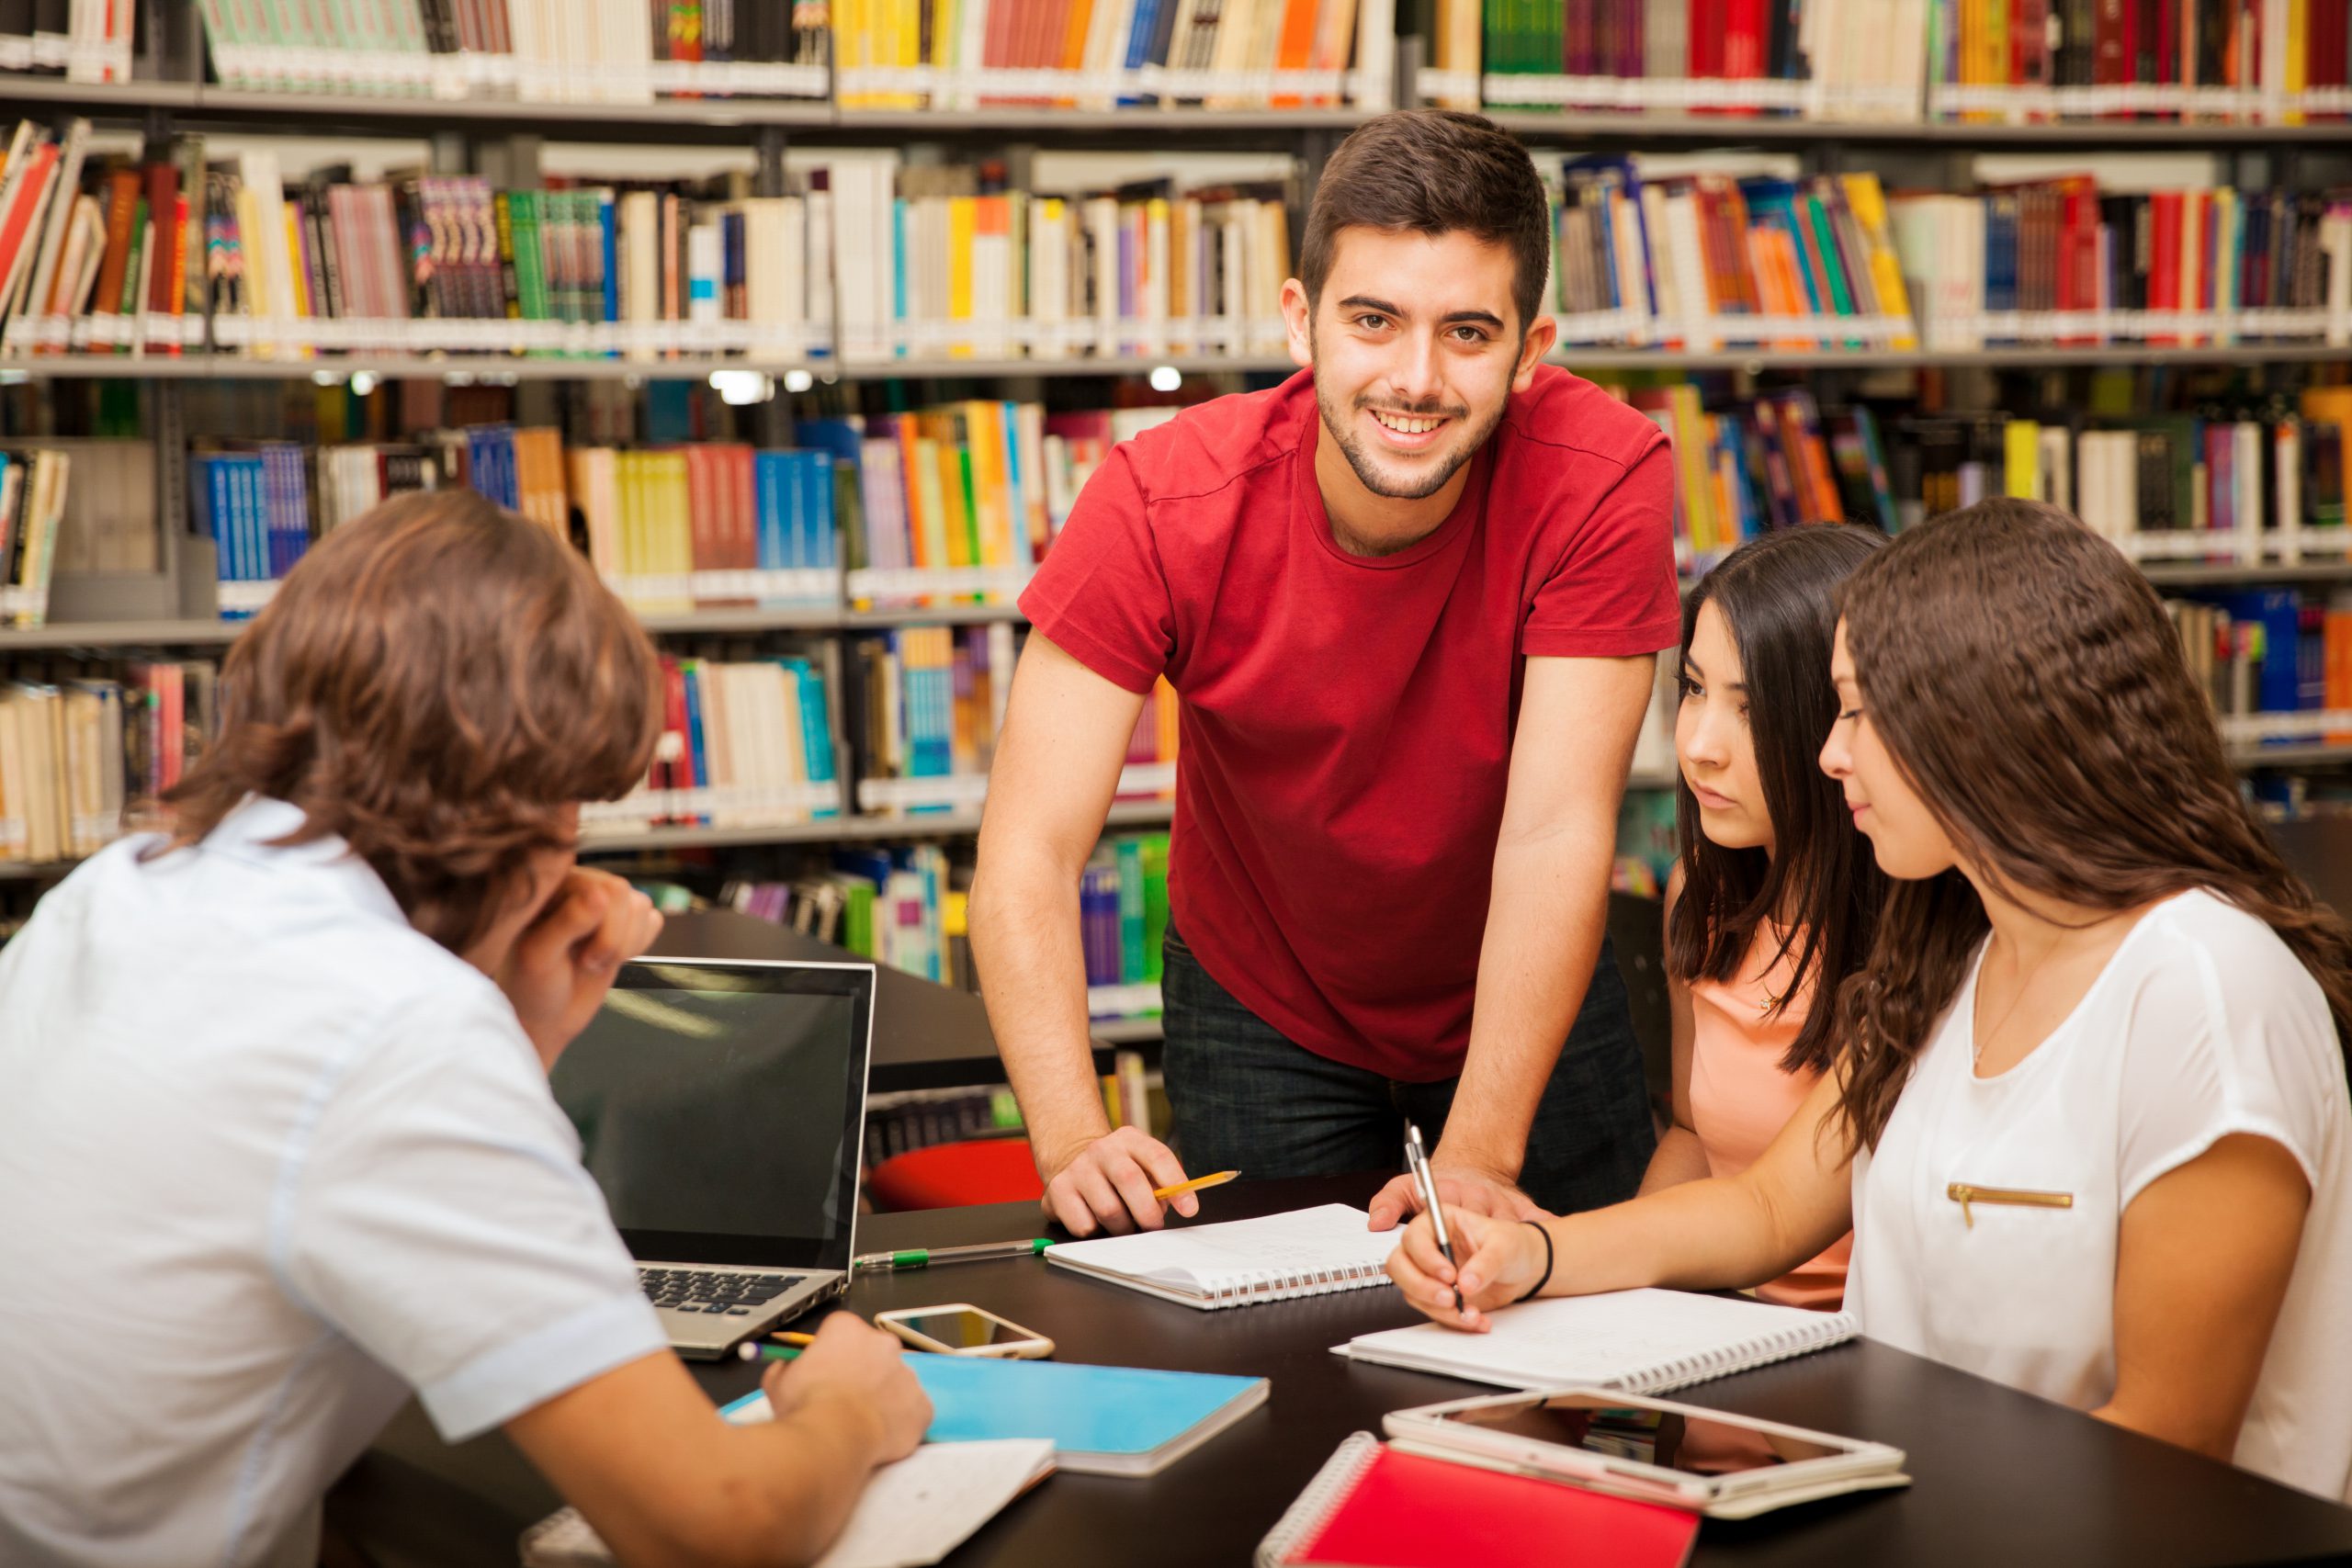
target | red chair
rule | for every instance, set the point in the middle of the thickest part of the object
(950, 1176)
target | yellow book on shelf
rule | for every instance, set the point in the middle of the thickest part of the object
(961, 215)
(1690, 465)
(2298, 35)
(679, 511)
(954, 512)
(1865, 199)
(849, 45)
(931, 505)
(992, 484)
(2021, 459)
(302, 304)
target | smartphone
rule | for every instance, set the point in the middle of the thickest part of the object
(961, 1330)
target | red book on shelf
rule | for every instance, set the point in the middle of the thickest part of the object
(1708, 19)
(2107, 45)
(2163, 260)
(163, 211)
(1371, 1506)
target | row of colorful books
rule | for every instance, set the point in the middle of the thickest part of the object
(1702, 262)
(1122, 915)
(2281, 62)
(77, 755)
(179, 253)
(898, 511)
(1849, 60)
(1106, 54)
(1777, 460)
(33, 488)
(2277, 62)
(594, 51)
(862, 257)
(2267, 656)
(2064, 262)
(906, 907)
(745, 743)
(924, 706)
(81, 41)
(2246, 481)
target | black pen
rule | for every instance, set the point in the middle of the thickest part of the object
(1417, 1161)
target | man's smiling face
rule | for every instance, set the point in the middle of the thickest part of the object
(1415, 347)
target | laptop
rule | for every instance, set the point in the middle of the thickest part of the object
(721, 1109)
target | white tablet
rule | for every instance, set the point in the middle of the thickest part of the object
(1726, 1466)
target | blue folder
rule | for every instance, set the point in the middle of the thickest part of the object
(1103, 1420)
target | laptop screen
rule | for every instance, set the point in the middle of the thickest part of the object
(720, 1106)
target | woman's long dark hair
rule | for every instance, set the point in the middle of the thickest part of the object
(1779, 597)
(2025, 678)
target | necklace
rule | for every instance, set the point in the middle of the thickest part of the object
(2024, 984)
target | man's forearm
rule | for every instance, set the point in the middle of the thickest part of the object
(1545, 921)
(1025, 945)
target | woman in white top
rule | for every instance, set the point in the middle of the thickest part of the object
(2093, 1131)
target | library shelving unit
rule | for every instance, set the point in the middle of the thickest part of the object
(167, 92)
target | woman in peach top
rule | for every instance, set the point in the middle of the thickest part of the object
(1777, 895)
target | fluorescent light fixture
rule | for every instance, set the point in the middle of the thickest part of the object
(739, 388)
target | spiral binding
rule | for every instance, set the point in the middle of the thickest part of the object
(1311, 1509)
(1829, 1329)
(1253, 1286)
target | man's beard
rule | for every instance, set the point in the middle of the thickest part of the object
(1367, 465)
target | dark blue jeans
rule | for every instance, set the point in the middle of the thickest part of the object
(1245, 1097)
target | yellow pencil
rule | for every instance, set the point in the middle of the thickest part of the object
(1219, 1179)
(793, 1339)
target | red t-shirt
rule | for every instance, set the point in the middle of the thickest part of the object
(1347, 720)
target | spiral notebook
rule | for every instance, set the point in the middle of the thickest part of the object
(1306, 1252)
(1374, 1507)
(1639, 1341)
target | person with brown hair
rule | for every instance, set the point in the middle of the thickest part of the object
(278, 1147)
(2092, 1128)
(1411, 601)
(1774, 900)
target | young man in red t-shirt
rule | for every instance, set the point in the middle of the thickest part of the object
(1411, 603)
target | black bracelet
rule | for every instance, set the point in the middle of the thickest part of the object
(1537, 1288)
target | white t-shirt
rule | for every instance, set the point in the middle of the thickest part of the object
(269, 1159)
(2202, 1024)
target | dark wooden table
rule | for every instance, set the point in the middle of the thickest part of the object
(2002, 1480)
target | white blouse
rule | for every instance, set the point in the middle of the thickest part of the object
(2202, 1024)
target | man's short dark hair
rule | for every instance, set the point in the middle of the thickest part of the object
(1434, 172)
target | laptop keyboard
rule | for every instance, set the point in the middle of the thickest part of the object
(709, 1291)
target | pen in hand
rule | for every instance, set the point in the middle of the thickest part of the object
(1417, 1161)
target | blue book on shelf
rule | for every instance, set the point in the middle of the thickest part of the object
(252, 512)
(768, 486)
(816, 727)
(1129, 1421)
(609, 236)
(206, 505)
(692, 671)
(2278, 612)
(813, 484)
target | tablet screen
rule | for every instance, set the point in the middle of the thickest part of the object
(1667, 1439)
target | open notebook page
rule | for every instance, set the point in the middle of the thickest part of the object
(1636, 1340)
(912, 1513)
(1302, 1243)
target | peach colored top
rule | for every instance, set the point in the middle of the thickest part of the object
(1740, 1097)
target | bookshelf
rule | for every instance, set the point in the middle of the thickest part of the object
(505, 370)
(505, 137)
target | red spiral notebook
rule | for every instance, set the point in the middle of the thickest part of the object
(1370, 1507)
